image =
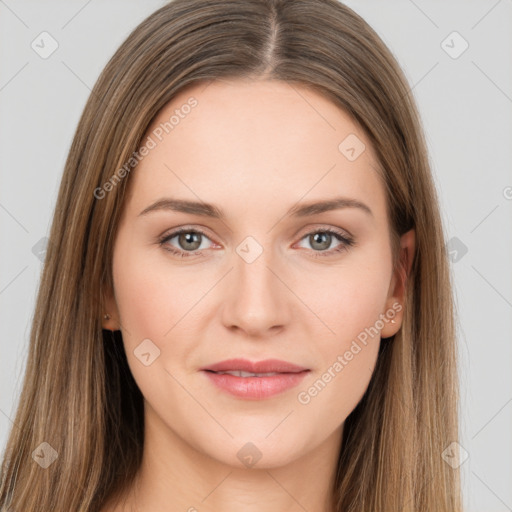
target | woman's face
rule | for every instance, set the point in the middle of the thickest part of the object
(261, 274)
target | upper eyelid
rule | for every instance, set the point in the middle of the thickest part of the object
(203, 231)
(184, 229)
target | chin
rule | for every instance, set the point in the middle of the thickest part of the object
(252, 451)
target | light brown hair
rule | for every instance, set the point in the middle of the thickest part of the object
(78, 393)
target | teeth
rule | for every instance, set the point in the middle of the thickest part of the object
(239, 373)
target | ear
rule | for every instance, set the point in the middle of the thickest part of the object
(396, 294)
(110, 309)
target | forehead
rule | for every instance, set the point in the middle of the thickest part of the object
(255, 143)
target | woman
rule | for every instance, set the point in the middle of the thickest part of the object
(246, 302)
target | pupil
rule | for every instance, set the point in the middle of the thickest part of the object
(189, 238)
(326, 242)
(322, 239)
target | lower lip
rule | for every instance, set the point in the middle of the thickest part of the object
(256, 388)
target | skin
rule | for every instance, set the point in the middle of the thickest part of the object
(254, 149)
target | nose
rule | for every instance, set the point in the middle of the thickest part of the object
(257, 301)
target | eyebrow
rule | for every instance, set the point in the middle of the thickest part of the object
(210, 210)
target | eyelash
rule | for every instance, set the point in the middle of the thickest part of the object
(346, 242)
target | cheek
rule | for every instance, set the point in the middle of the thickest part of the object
(331, 395)
(139, 297)
(346, 363)
(350, 298)
(351, 306)
(151, 299)
(152, 304)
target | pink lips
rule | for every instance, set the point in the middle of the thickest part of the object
(266, 366)
(288, 375)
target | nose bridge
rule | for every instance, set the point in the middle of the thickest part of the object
(258, 300)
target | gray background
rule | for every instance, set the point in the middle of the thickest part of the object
(465, 104)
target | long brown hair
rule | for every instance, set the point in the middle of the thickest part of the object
(78, 393)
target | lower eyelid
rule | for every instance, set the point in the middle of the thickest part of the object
(345, 241)
(166, 238)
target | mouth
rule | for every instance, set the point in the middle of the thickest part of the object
(257, 367)
(240, 373)
(254, 381)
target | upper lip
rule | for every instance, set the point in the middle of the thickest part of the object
(266, 366)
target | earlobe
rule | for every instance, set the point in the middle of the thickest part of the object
(110, 313)
(392, 320)
(395, 301)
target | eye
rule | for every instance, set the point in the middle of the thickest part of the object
(189, 241)
(321, 240)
